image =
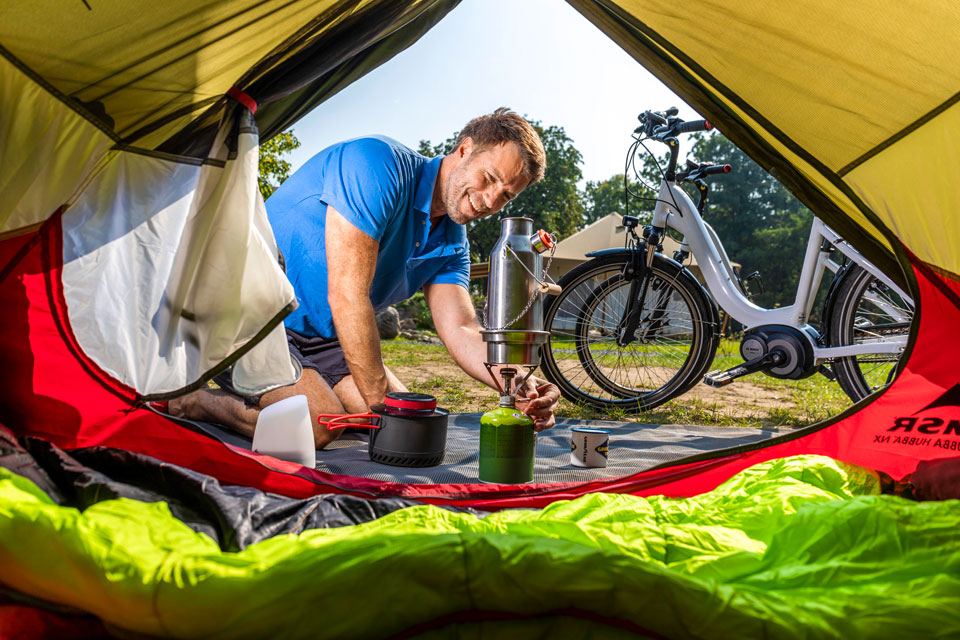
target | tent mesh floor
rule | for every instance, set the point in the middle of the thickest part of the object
(634, 447)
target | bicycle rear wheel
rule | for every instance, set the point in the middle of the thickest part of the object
(674, 346)
(867, 310)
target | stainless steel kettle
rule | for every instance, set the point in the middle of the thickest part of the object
(514, 331)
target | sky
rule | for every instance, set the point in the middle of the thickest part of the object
(541, 58)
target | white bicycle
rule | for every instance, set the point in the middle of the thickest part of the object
(634, 328)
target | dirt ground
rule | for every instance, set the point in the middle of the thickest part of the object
(441, 377)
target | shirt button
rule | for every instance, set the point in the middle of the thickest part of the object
(418, 244)
(424, 222)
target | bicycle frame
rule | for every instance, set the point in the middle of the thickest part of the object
(674, 209)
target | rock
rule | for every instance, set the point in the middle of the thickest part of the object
(420, 336)
(388, 323)
(408, 324)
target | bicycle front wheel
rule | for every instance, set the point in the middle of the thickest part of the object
(867, 311)
(672, 348)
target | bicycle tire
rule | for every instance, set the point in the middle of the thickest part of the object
(866, 309)
(581, 355)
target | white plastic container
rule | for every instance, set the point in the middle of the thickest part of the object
(283, 431)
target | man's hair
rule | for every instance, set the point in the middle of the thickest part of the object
(504, 125)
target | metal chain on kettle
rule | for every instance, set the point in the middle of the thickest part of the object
(537, 292)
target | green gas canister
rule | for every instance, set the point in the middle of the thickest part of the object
(507, 445)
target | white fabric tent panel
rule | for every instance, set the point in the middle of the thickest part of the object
(119, 245)
(226, 285)
(167, 272)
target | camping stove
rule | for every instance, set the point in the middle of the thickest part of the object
(514, 334)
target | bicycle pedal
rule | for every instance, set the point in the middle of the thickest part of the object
(723, 378)
(719, 378)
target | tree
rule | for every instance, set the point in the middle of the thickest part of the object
(273, 170)
(553, 203)
(762, 225)
(747, 199)
(607, 196)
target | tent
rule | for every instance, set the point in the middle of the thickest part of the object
(602, 234)
(136, 263)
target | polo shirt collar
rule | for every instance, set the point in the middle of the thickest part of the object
(428, 180)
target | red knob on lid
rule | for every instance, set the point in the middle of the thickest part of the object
(546, 239)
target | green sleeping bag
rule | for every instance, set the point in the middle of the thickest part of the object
(803, 547)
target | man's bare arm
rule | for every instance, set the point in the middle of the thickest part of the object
(351, 263)
(457, 325)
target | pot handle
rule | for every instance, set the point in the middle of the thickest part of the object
(336, 418)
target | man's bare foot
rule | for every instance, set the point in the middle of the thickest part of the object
(187, 406)
(215, 405)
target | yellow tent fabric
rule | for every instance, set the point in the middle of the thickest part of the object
(117, 126)
(141, 63)
(853, 106)
(860, 100)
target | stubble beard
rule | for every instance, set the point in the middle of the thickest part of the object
(454, 195)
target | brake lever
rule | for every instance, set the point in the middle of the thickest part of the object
(654, 117)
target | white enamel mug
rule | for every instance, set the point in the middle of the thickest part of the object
(588, 447)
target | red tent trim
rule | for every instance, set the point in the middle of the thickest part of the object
(58, 393)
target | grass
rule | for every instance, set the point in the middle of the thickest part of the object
(430, 369)
(397, 353)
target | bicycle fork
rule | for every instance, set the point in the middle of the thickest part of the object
(638, 272)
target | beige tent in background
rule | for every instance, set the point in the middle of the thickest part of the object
(605, 233)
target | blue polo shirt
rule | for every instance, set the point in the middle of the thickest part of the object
(384, 189)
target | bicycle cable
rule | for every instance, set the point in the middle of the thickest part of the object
(630, 166)
(663, 178)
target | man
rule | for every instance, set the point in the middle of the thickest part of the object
(367, 223)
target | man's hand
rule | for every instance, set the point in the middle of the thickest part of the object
(456, 322)
(542, 399)
(936, 479)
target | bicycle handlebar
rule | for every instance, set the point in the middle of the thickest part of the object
(664, 124)
(691, 126)
(695, 171)
(716, 168)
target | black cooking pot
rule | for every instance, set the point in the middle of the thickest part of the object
(412, 431)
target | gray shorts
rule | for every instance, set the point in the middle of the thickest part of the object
(323, 355)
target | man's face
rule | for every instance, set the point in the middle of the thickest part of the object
(483, 181)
